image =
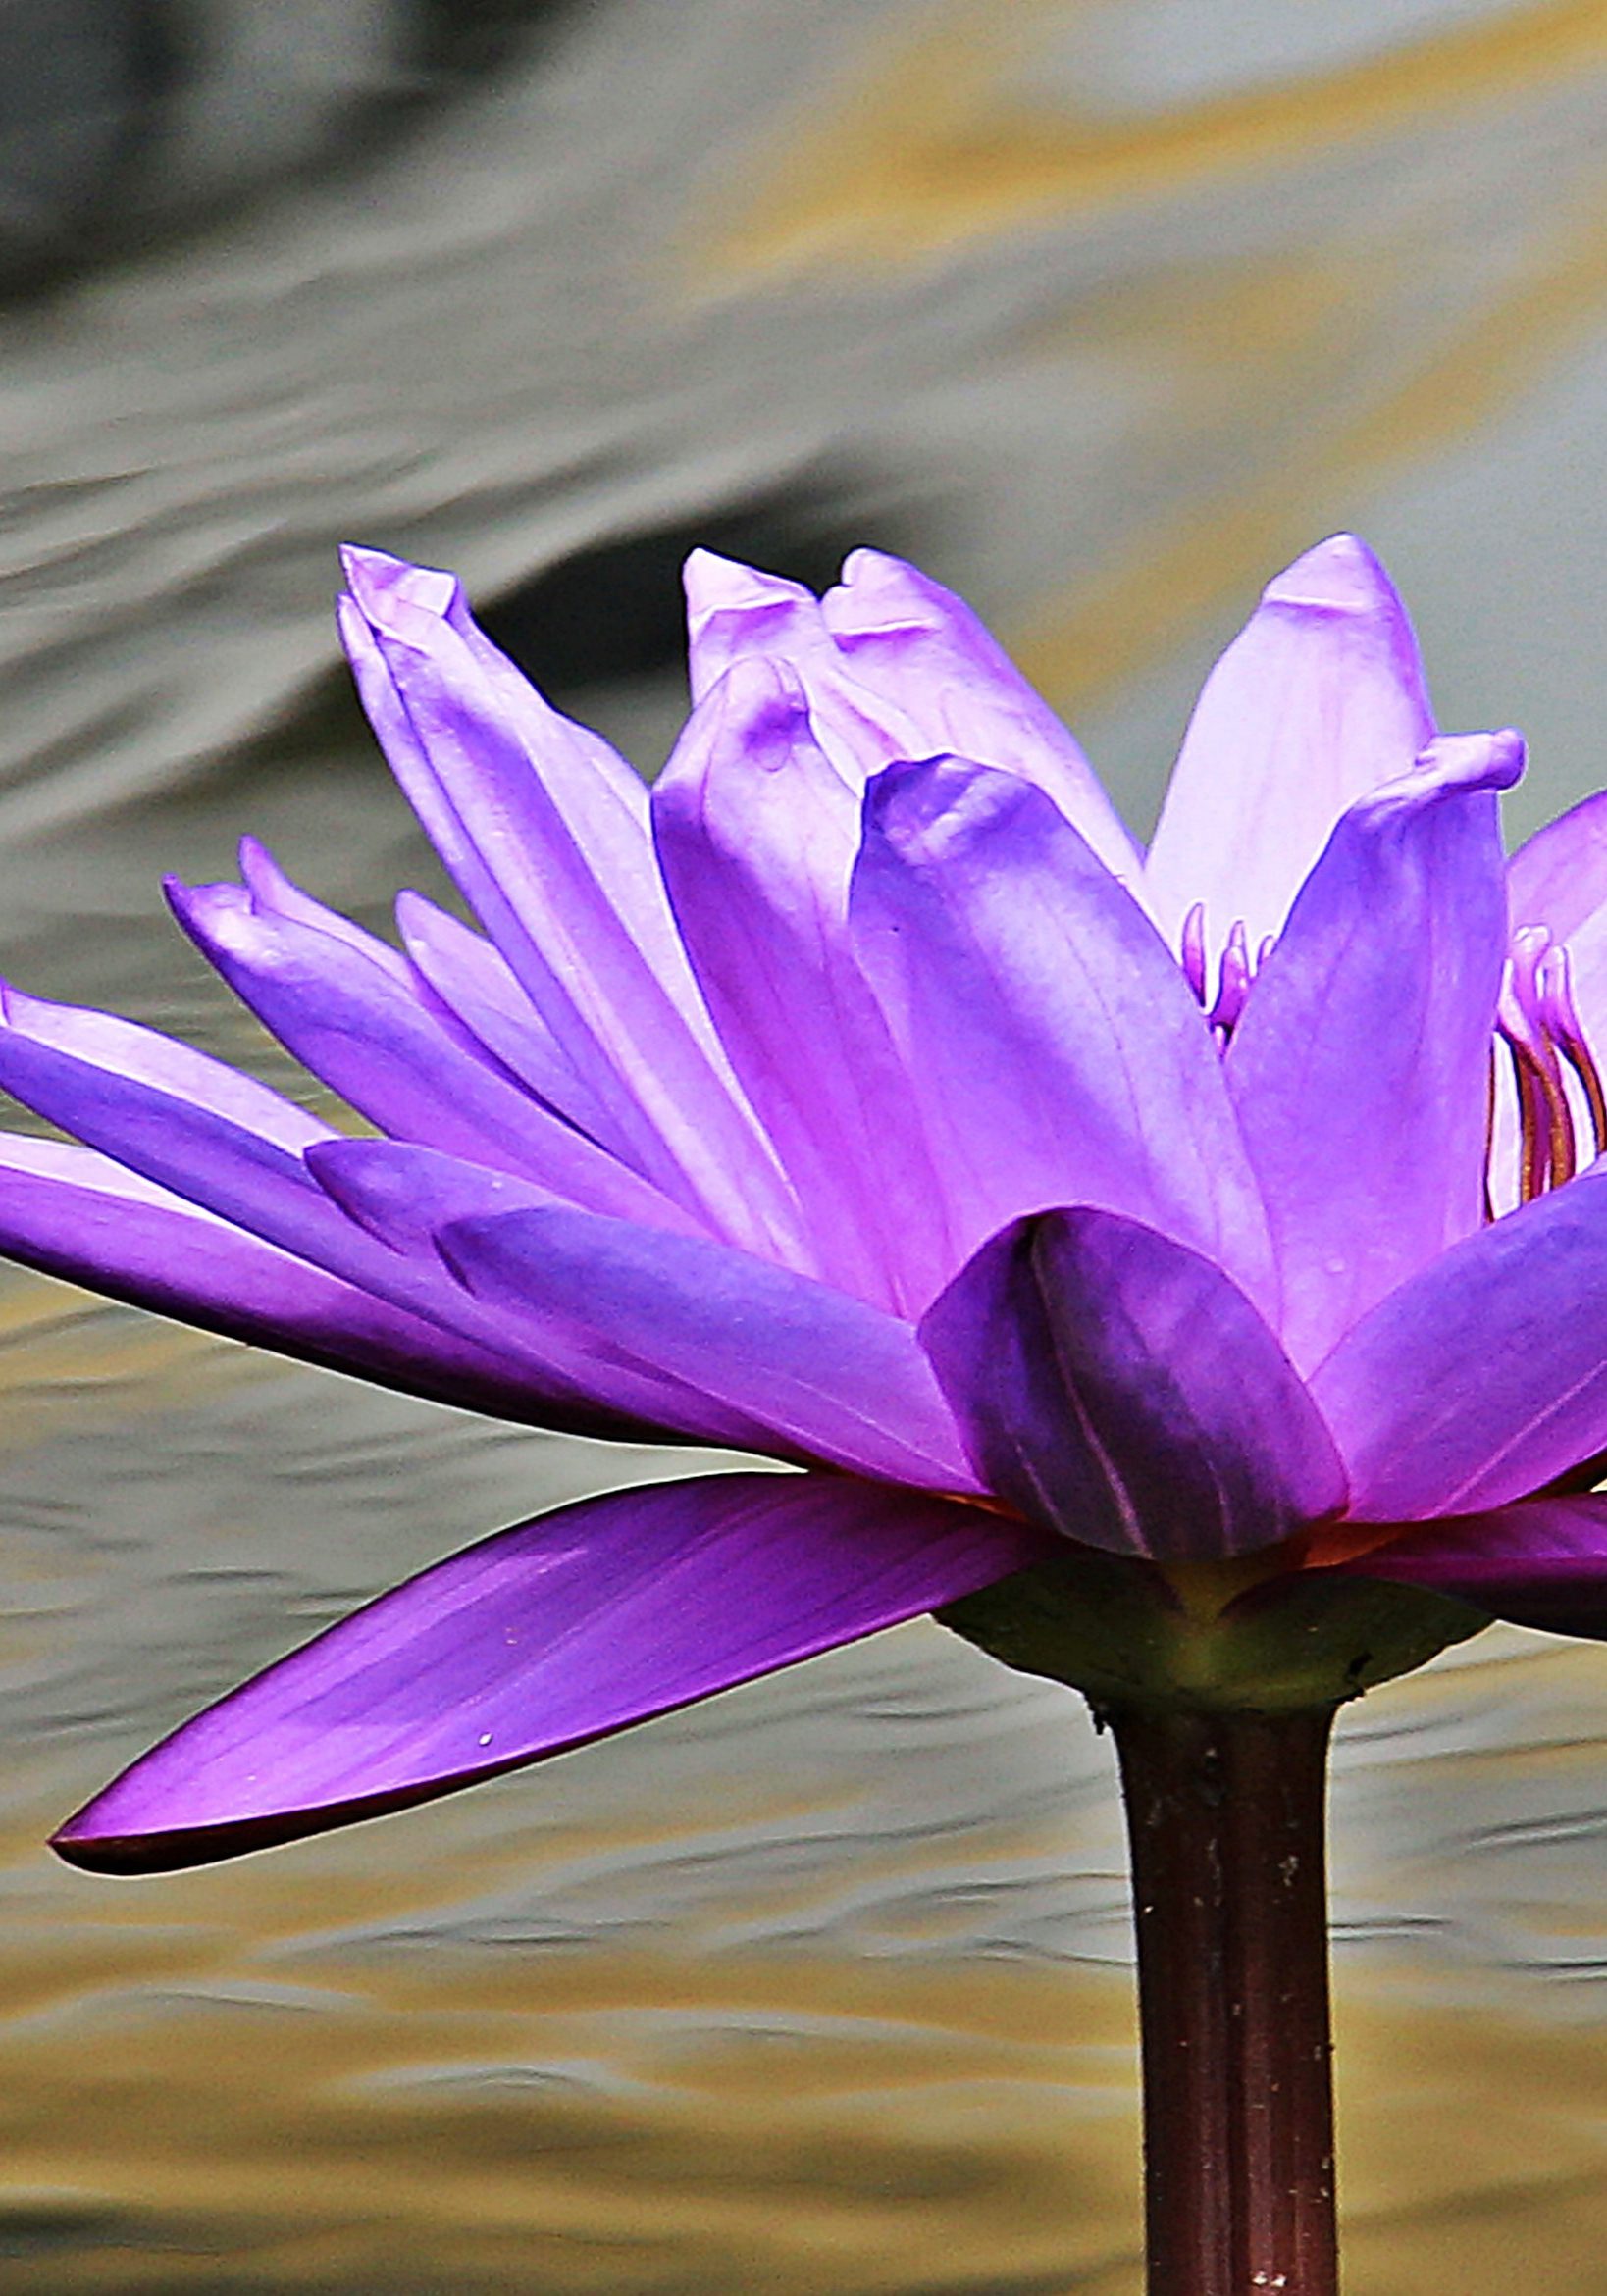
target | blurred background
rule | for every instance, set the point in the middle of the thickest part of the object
(1103, 309)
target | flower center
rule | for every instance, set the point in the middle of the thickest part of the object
(1539, 1023)
(1234, 973)
(1536, 1022)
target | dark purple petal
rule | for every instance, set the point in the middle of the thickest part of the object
(182, 1144)
(71, 1213)
(1541, 1562)
(827, 1377)
(757, 835)
(1055, 1053)
(404, 1196)
(1360, 1066)
(362, 1028)
(897, 667)
(1114, 1386)
(1484, 1378)
(551, 846)
(1315, 704)
(538, 1640)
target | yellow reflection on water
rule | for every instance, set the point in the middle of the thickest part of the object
(598, 2122)
(1082, 643)
(1269, 392)
(915, 149)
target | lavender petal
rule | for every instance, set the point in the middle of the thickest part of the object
(551, 846)
(757, 837)
(358, 1024)
(71, 1213)
(1319, 699)
(1360, 1068)
(1053, 1049)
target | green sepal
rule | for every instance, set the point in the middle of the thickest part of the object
(1209, 1636)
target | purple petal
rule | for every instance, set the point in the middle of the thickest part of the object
(359, 1026)
(1484, 1378)
(1319, 699)
(896, 667)
(55, 1061)
(187, 1123)
(404, 1196)
(122, 1048)
(757, 835)
(463, 973)
(550, 844)
(538, 1640)
(1558, 877)
(461, 959)
(1114, 1386)
(274, 895)
(827, 1377)
(1543, 1563)
(1055, 1051)
(71, 1213)
(737, 613)
(918, 645)
(1361, 1065)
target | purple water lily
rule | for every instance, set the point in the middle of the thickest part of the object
(865, 1100)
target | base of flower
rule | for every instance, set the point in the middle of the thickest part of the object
(1228, 1636)
(1219, 1683)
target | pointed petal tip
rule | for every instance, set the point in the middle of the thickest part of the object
(379, 586)
(865, 563)
(1339, 575)
(757, 705)
(868, 569)
(264, 880)
(1461, 762)
(714, 585)
(370, 571)
(756, 685)
(879, 592)
(927, 808)
(125, 1854)
(204, 911)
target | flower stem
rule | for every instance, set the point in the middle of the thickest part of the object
(1225, 1818)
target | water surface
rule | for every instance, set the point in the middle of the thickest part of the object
(1103, 310)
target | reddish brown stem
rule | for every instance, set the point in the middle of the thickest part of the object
(1225, 1818)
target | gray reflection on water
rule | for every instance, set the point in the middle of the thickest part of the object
(631, 278)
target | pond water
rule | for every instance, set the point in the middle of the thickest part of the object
(1103, 310)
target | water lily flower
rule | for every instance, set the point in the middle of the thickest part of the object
(864, 1099)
